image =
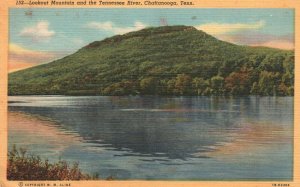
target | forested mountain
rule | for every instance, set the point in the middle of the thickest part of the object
(169, 60)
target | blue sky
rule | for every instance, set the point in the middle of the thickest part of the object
(53, 33)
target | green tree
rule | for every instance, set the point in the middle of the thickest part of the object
(217, 85)
(199, 85)
(268, 83)
(171, 86)
(183, 84)
(273, 63)
(254, 89)
(125, 87)
(237, 83)
(148, 85)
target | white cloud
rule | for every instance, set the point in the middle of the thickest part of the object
(38, 32)
(111, 27)
(222, 28)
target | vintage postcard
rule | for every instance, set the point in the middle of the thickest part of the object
(149, 93)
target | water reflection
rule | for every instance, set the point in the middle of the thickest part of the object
(162, 131)
(174, 127)
(36, 131)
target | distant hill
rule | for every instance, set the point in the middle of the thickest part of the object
(169, 60)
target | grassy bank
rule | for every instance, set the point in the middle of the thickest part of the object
(23, 166)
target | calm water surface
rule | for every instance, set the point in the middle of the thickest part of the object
(160, 138)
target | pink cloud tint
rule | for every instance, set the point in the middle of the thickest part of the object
(21, 58)
(260, 39)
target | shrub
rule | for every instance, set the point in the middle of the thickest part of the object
(22, 166)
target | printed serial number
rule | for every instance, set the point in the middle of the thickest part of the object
(279, 185)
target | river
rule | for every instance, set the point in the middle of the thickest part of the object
(159, 138)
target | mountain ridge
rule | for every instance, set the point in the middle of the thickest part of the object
(169, 60)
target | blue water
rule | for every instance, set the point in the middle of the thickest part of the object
(160, 138)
